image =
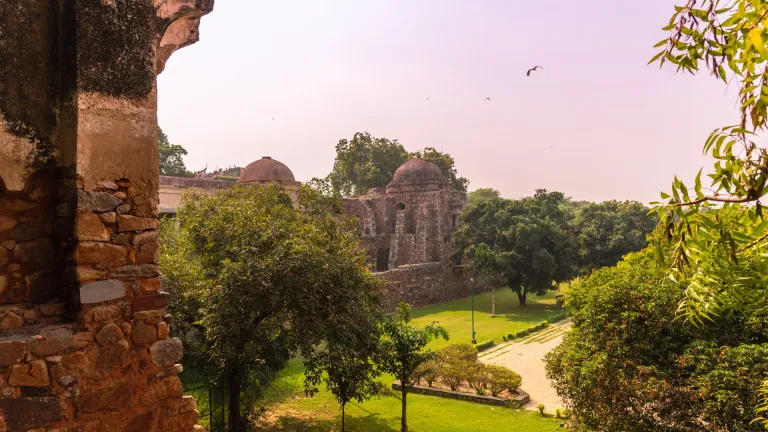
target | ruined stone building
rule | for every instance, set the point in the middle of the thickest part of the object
(406, 227)
(84, 333)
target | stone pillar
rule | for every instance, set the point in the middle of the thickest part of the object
(84, 340)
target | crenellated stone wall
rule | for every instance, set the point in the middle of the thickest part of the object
(84, 334)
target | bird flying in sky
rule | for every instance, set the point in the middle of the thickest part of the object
(487, 98)
(533, 69)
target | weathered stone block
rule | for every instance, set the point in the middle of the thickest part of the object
(148, 253)
(53, 309)
(6, 223)
(96, 201)
(101, 291)
(12, 352)
(11, 321)
(133, 223)
(111, 357)
(143, 333)
(56, 341)
(32, 374)
(150, 301)
(88, 227)
(110, 398)
(143, 422)
(36, 254)
(102, 314)
(87, 273)
(145, 237)
(99, 253)
(151, 284)
(108, 218)
(136, 271)
(3, 283)
(30, 413)
(24, 233)
(107, 184)
(150, 314)
(162, 330)
(166, 352)
(108, 334)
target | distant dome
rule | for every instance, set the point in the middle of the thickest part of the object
(418, 175)
(266, 170)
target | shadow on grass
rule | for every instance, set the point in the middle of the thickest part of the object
(370, 422)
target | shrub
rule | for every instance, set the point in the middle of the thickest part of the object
(477, 375)
(499, 378)
(453, 374)
(566, 413)
(521, 333)
(482, 346)
(458, 353)
(558, 317)
(504, 338)
(511, 336)
(541, 408)
(429, 371)
(480, 391)
(558, 413)
(628, 348)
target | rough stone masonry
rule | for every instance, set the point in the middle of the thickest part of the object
(84, 333)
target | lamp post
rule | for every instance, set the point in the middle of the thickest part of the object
(472, 288)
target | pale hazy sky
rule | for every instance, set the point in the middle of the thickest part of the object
(595, 123)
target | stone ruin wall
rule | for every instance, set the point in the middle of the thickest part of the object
(416, 241)
(84, 334)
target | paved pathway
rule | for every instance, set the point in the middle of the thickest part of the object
(525, 356)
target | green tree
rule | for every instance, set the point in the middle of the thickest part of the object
(446, 164)
(366, 162)
(482, 194)
(171, 161)
(607, 231)
(348, 371)
(629, 365)
(525, 241)
(728, 39)
(403, 352)
(271, 280)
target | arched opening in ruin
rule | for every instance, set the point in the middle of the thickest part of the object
(382, 260)
(454, 220)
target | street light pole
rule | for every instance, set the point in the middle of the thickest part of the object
(472, 288)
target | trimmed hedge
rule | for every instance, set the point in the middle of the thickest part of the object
(540, 326)
(482, 346)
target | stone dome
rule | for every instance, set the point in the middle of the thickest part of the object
(266, 170)
(418, 175)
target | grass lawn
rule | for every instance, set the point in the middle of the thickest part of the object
(456, 315)
(291, 411)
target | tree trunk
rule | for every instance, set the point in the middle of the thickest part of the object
(342, 417)
(403, 423)
(493, 300)
(235, 422)
(521, 297)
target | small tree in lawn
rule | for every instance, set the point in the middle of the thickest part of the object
(346, 365)
(402, 351)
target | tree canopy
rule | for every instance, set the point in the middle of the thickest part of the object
(525, 241)
(607, 231)
(629, 365)
(366, 162)
(482, 194)
(403, 351)
(268, 280)
(171, 157)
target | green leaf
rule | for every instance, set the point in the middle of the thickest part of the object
(656, 57)
(697, 186)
